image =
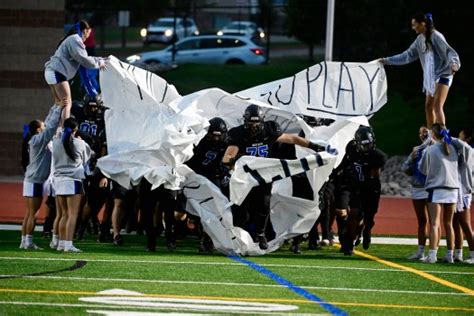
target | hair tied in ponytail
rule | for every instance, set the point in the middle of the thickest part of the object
(446, 136)
(429, 16)
(77, 27)
(26, 130)
(67, 133)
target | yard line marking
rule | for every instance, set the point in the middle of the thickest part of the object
(394, 306)
(236, 284)
(277, 265)
(417, 272)
(334, 310)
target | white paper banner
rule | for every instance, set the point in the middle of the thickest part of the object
(151, 131)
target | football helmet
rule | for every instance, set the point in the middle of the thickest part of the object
(217, 129)
(253, 119)
(365, 139)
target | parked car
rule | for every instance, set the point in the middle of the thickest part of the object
(205, 49)
(161, 31)
(245, 28)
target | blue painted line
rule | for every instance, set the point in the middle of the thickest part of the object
(275, 277)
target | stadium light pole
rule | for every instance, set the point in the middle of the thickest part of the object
(329, 30)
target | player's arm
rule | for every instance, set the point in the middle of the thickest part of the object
(230, 155)
(303, 142)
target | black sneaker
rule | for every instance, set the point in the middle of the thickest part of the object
(262, 242)
(295, 248)
(118, 240)
(367, 240)
(171, 245)
(313, 245)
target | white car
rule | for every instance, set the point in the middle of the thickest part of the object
(205, 49)
(245, 28)
(162, 30)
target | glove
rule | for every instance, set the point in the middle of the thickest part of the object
(331, 150)
(317, 148)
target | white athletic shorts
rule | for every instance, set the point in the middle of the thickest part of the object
(419, 194)
(49, 187)
(445, 196)
(31, 189)
(464, 202)
(68, 187)
(53, 77)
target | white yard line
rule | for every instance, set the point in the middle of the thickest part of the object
(235, 284)
(375, 240)
(275, 265)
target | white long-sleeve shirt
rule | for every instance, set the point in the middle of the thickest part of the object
(71, 54)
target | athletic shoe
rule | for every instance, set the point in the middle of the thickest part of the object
(313, 245)
(469, 261)
(60, 247)
(366, 242)
(53, 245)
(72, 249)
(295, 249)
(262, 242)
(416, 256)
(458, 259)
(448, 260)
(118, 240)
(32, 246)
(428, 259)
(325, 242)
(22, 245)
(171, 245)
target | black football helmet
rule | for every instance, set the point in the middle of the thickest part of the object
(93, 106)
(217, 131)
(365, 140)
(253, 119)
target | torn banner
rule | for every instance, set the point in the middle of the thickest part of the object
(151, 131)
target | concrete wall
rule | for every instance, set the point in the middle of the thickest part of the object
(30, 31)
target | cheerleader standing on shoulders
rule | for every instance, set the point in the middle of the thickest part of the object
(36, 159)
(70, 154)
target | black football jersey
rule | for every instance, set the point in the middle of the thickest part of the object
(254, 145)
(91, 128)
(207, 158)
(355, 167)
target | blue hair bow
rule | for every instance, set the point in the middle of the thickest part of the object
(26, 130)
(77, 27)
(429, 16)
(446, 136)
(66, 134)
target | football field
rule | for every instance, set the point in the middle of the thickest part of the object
(110, 280)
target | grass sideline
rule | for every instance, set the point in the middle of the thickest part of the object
(357, 285)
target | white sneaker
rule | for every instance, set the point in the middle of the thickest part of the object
(53, 245)
(60, 247)
(32, 246)
(72, 249)
(458, 259)
(429, 259)
(325, 242)
(416, 256)
(469, 261)
(448, 260)
(22, 245)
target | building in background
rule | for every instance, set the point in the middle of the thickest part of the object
(30, 30)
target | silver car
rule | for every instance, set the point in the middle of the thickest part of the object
(206, 49)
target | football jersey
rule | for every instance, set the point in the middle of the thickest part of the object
(207, 158)
(91, 128)
(254, 145)
(355, 167)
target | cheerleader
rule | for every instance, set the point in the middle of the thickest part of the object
(70, 154)
(36, 160)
